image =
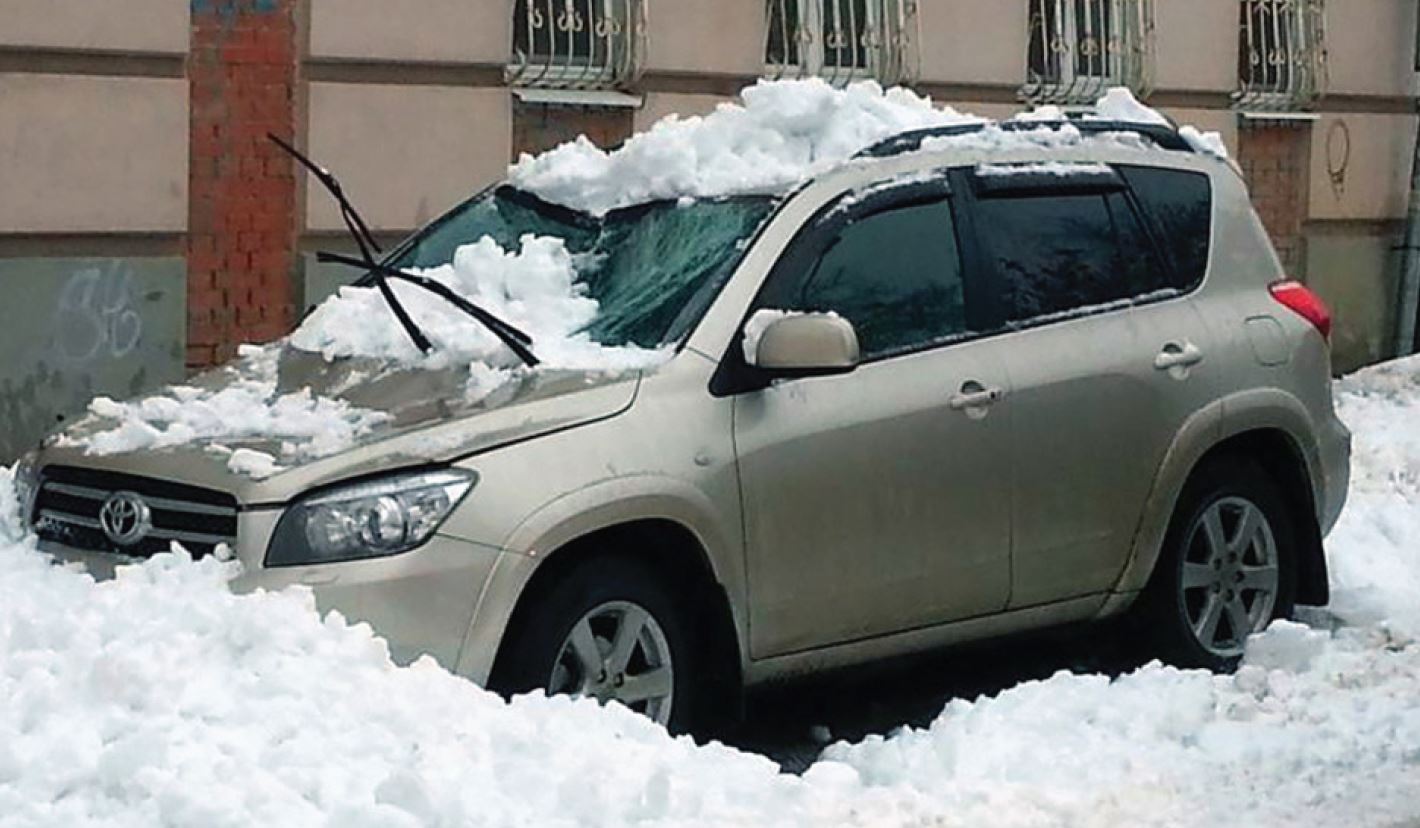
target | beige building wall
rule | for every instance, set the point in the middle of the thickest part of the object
(453, 31)
(97, 25)
(973, 42)
(92, 154)
(1197, 45)
(1360, 166)
(405, 154)
(1370, 46)
(723, 37)
(657, 105)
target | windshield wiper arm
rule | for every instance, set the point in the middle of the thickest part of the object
(364, 239)
(517, 341)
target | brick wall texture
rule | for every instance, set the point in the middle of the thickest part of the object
(242, 220)
(1275, 160)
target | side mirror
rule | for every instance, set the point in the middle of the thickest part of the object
(800, 344)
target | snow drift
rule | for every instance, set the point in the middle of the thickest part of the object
(161, 698)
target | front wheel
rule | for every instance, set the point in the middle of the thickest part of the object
(608, 631)
(1226, 569)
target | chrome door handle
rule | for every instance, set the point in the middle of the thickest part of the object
(974, 395)
(1175, 355)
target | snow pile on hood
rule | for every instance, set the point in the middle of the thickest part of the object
(161, 698)
(783, 133)
(247, 406)
(534, 288)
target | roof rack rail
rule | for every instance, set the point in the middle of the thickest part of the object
(1164, 136)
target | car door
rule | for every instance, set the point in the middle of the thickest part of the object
(1101, 347)
(877, 500)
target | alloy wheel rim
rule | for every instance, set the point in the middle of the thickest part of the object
(617, 651)
(1228, 586)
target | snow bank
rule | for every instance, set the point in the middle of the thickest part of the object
(1374, 551)
(161, 698)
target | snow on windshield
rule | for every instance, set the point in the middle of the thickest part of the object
(160, 698)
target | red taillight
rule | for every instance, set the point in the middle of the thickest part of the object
(1306, 304)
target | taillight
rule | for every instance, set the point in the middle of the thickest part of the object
(1304, 303)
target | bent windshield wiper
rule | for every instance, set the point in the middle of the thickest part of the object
(517, 341)
(363, 239)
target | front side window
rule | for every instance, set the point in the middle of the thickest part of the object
(1068, 254)
(895, 274)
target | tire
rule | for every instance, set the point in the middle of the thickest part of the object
(1211, 587)
(594, 604)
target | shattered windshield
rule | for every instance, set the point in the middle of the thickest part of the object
(653, 269)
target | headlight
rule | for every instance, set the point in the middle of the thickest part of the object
(367, 520)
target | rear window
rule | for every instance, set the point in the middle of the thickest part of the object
(1069, 254)
(1179, 204)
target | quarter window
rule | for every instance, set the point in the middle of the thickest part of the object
(1180, 205)
(1068, 253)
(895, 274)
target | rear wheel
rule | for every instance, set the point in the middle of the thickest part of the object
(606, 630)
(1227, 568)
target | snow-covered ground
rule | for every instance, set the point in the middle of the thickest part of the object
(161, 698)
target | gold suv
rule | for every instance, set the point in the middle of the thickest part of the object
(942, 393)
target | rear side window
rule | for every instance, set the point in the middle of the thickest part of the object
(1068, 253)
(1180, 206)
(896, 275)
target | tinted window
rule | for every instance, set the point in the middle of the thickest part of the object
(1067, 253)
(896, 275)
(1180, 205)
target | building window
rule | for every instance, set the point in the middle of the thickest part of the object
(1079, 48)
(843, 40)
(1281, 54)
(576, 44)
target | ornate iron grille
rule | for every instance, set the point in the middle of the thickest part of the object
(843, 40)
(1079, 48)
(1281, 54)
(577, 44)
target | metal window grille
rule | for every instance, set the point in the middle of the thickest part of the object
(843, 40)
(1079, 48)
(577, 44)
(1281, 54)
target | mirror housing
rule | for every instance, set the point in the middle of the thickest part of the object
(800, 345)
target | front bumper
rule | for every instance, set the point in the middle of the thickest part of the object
(421, 602)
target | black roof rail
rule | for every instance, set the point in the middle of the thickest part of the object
(1165, 137)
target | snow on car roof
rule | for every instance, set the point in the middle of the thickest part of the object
(780, 134)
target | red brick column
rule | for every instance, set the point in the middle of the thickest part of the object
(242, 216)
(1276, 162)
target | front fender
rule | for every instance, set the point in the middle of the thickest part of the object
(577, 514)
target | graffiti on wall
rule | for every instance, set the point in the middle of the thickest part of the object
(96, 317)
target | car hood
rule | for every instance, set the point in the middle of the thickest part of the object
(426, 417)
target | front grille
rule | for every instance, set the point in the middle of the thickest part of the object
(70, 498)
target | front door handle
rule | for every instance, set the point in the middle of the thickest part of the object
(1175, 355)
(975, 397)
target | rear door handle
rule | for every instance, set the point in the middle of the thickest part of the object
(975, 396)
(1175, 355)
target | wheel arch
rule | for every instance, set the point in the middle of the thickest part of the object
(1266, 426)
(670, 532)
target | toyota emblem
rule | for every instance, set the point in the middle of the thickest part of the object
(125, 518)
